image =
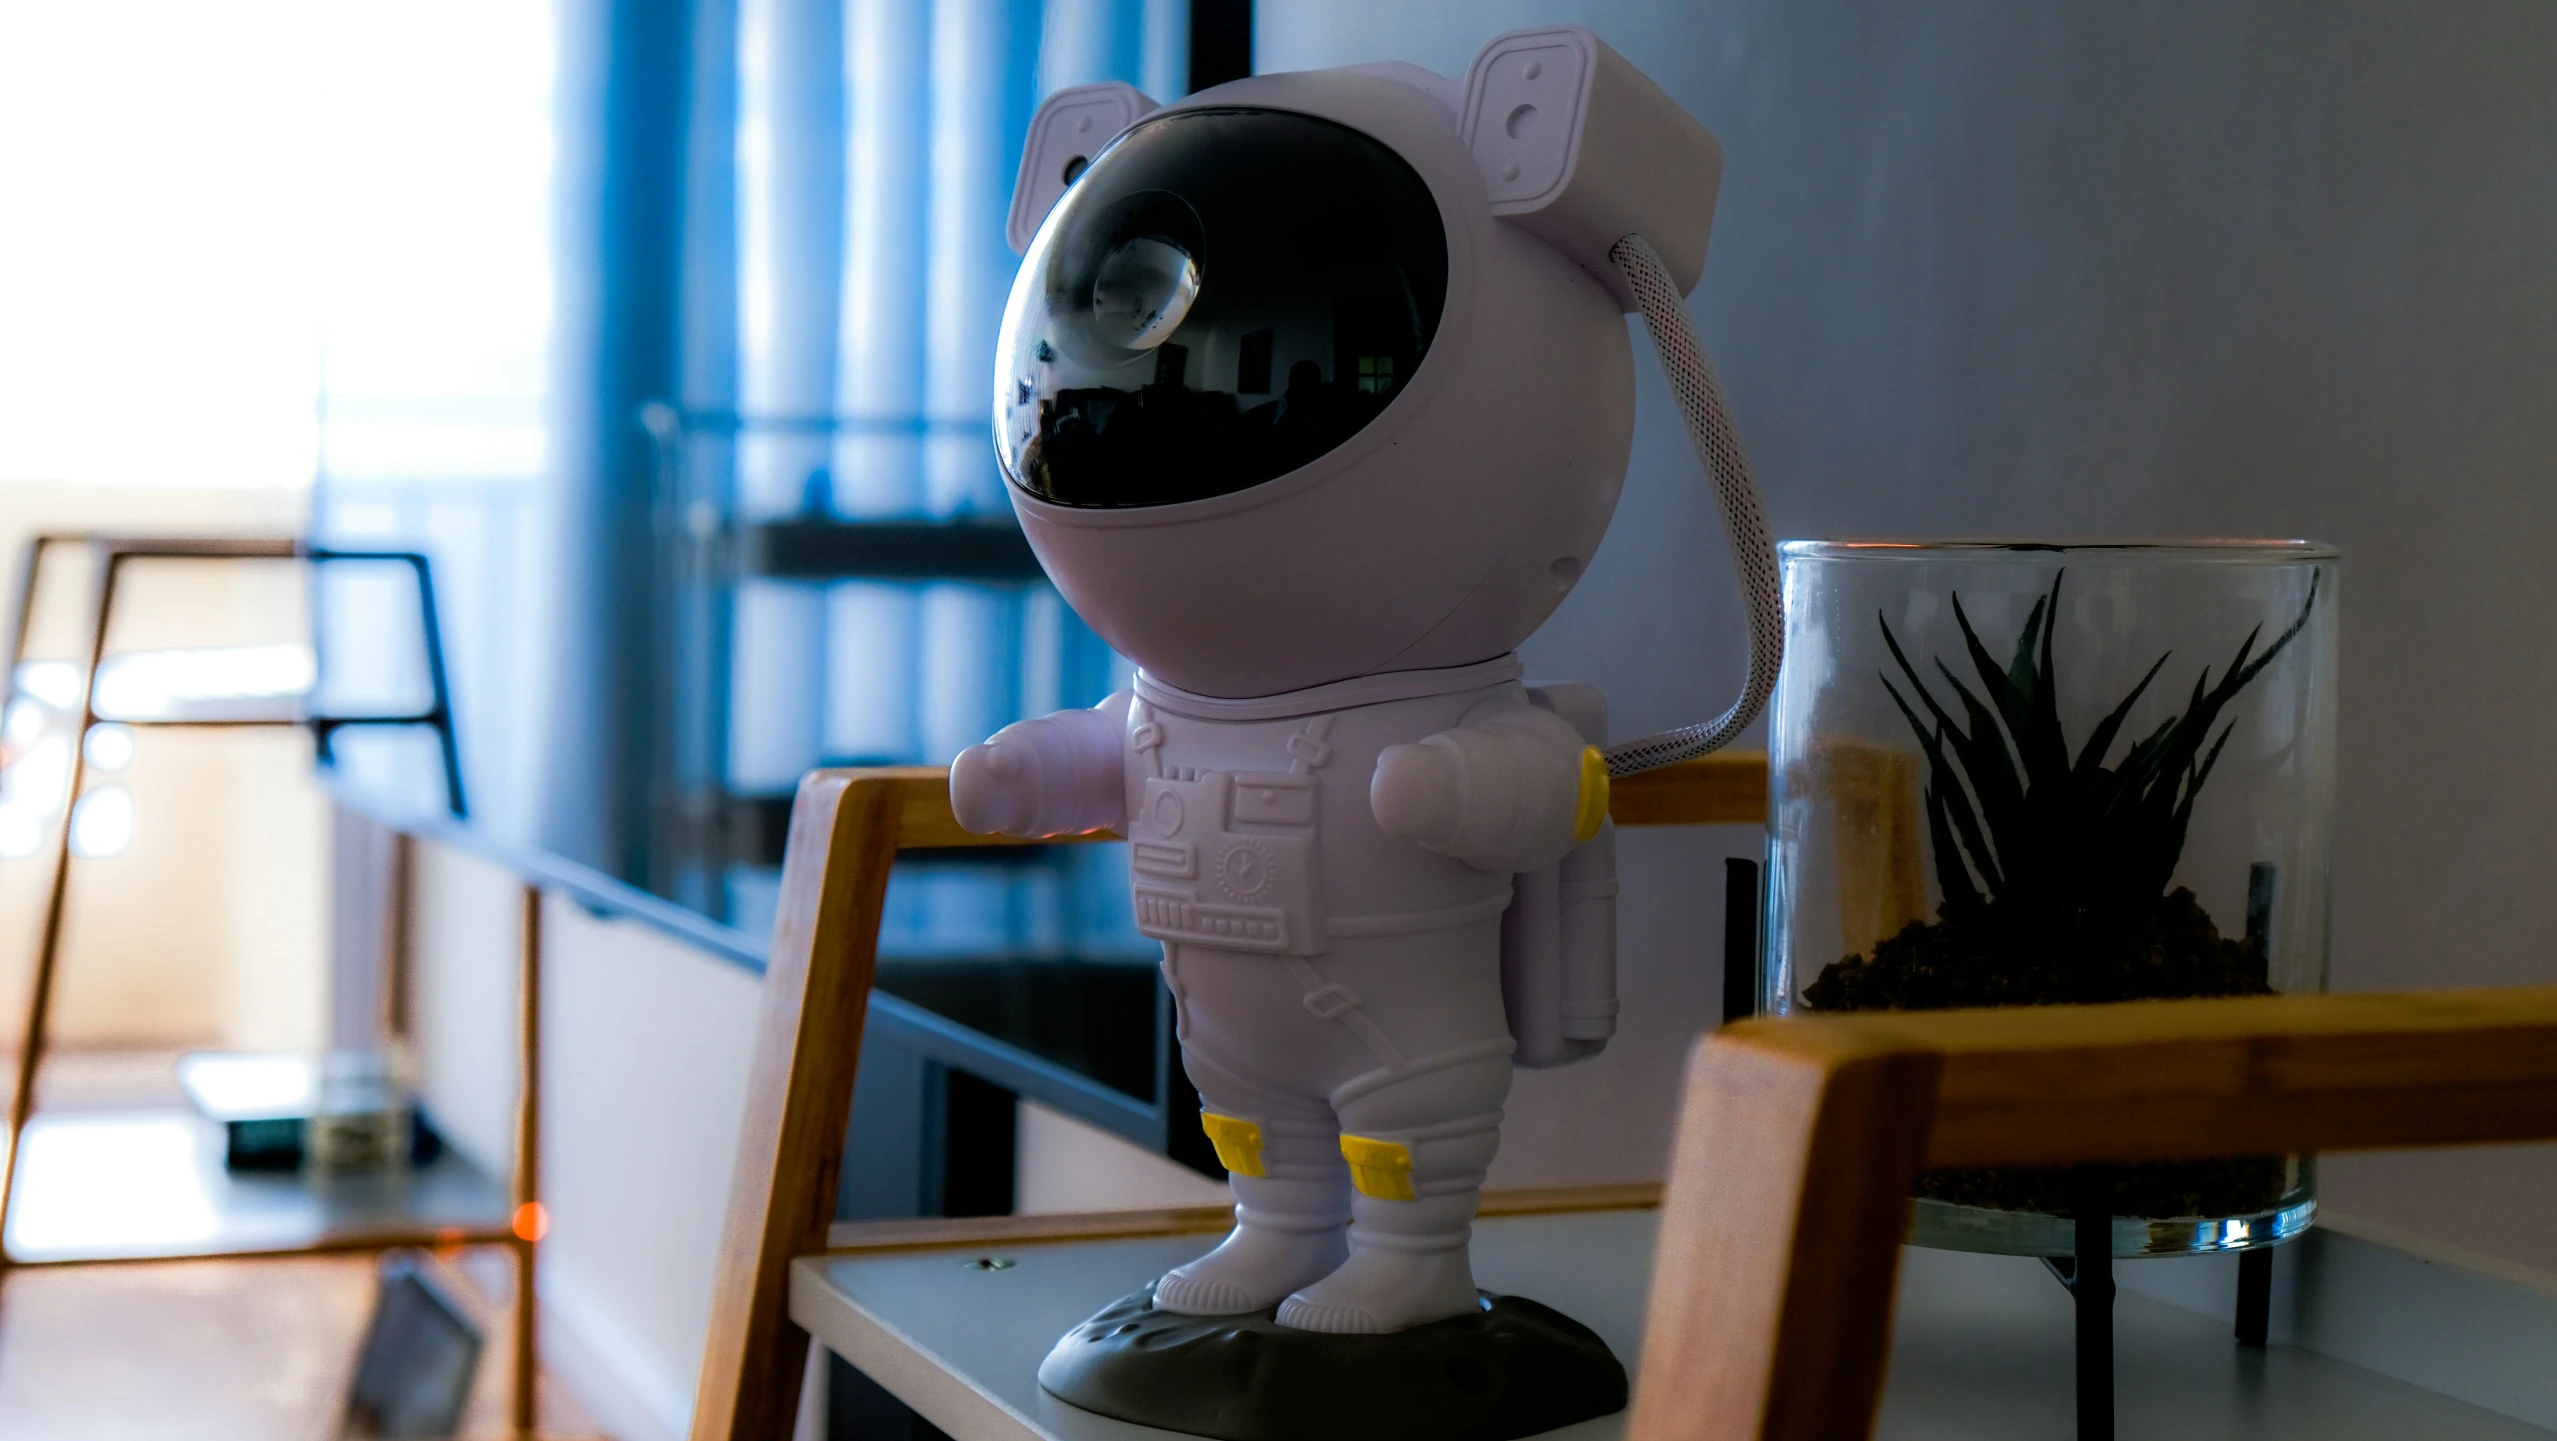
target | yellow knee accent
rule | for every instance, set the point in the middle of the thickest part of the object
(1593, 794)
(1382, 1169)
(1237, 1142)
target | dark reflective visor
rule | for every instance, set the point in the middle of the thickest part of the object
(1222, 297)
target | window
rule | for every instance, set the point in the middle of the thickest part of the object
(221, 213)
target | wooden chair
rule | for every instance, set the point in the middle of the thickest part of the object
(846, 827)
(1799, 1139)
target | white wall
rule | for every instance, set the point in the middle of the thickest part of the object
(464, 939)
(2139, 268)
(1060, 1164)
(646, 1044)
(644, 1072)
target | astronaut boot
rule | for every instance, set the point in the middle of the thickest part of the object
(1415, 1273)
(1290, 1189)
(1414, 1214)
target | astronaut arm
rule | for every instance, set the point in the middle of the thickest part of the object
(1056, 775)
(1512, 789)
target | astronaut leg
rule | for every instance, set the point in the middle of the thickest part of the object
(1291, 1190)
(1278, 1141)
(1418, 1141)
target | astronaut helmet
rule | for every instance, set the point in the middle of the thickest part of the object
(1279, 398)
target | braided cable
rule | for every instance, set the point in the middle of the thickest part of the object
(1753, 554)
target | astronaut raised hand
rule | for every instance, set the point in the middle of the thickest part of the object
(1052, 776)
(1512, 789)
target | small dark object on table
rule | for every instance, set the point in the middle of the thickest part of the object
(1514, 1368)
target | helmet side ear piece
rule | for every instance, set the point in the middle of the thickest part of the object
(1071, 127)
(1580, 149)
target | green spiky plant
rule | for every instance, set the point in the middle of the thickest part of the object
(2054, 866)
(2054, 869)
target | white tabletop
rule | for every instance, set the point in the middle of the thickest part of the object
(145, 1183)
(1982, 1345)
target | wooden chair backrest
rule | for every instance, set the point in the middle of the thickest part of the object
(1799, 1139)
(846, 828)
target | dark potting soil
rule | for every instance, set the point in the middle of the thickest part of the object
(2154, 1190)
(1983, 957)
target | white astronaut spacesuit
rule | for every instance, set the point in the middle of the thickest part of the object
(1329, 897)
(1328, 770)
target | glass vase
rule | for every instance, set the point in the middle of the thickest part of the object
(2014, 774)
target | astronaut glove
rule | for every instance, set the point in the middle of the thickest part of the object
(1051, 776)
(1510, 791)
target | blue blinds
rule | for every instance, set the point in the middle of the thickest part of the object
(876, 143)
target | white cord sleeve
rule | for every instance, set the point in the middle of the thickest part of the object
(1752, 553)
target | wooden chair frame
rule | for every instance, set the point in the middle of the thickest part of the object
(1799, 1140)
(846, 828)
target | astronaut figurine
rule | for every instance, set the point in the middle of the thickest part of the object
(1315, 396)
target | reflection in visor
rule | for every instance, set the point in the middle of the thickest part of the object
(1143, 292)
(1225, 296)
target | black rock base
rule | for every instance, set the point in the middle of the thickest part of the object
(1514, 1368)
